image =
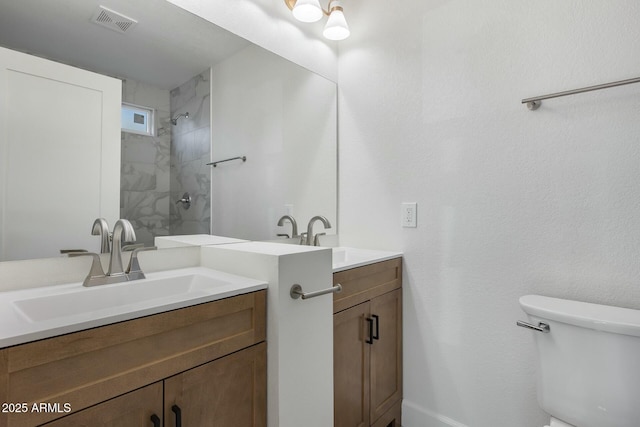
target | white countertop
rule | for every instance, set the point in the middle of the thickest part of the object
(345, 258)
(193, 240)
(37, 313)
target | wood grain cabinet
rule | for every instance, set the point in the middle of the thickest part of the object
(368, 346)
(231, 391)
(142, 407)
(203, 365)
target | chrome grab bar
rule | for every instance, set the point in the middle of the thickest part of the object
(296, 292)
(542, 327)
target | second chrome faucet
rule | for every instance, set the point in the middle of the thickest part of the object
(308, 237)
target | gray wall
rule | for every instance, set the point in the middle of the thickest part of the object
(144, 180)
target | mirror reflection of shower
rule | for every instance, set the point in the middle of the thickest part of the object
(174, 121)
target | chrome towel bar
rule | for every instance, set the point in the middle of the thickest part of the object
(534, 102)
(214, 164)
(542, 327)
(296, 292)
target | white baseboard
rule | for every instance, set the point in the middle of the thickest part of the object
(416, 416)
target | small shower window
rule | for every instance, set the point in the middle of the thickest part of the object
(137, 119)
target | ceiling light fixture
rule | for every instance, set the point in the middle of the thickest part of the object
(336, 27)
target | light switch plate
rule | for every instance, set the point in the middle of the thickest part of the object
(409, 218)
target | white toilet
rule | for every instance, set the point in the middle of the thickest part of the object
(588, 361)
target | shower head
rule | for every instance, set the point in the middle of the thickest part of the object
(174, 121)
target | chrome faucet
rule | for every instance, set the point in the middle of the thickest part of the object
(122, 232)
(309, 239)
(101, 228)
(294, 225)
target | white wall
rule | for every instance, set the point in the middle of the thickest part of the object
(283, 119)
(510, 202)
(269, 24)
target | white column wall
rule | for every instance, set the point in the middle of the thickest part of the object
(299, 332)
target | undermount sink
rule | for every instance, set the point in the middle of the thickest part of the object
(38, 313)
(343, 255)
(148, 292)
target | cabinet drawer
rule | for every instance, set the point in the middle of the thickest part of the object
(88, 367)
(364, 283)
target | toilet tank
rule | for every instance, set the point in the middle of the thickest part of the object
(588, 363)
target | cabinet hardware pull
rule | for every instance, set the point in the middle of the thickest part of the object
(369, 340)
(176, 410)
(376, 336)
(155, 420)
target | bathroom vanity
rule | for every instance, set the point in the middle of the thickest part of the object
(189, 365)
(188, 342)
(367, 339)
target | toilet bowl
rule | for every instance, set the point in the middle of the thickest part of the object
(588, 360)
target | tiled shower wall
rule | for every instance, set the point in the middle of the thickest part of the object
(190, 152)
(144, 180)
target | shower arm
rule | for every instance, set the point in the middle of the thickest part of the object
(174, 121)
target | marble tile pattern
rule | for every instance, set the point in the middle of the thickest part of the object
(190, 152)
(145, 166)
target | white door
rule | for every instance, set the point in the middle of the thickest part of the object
(59, 155)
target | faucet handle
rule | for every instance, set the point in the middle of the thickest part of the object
(96, 273)
(303, 238)
(316, 239)
(70, 251)
(129, 248)
(134, 272)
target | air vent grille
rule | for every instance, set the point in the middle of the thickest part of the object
(113, 20)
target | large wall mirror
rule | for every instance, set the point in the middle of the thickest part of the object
(210, 96)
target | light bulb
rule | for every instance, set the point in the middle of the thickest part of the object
(337, 27)
(307, 10)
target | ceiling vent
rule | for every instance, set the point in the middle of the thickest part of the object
(113, 20)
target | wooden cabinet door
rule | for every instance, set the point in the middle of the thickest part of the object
(351, 367)
(230, 391)
(386, 353)
(133, 409)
